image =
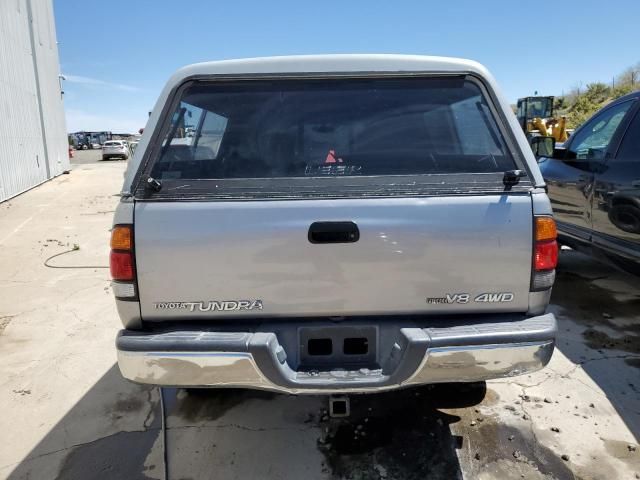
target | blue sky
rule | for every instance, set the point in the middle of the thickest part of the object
(117, 55)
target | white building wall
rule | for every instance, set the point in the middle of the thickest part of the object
(33, 139)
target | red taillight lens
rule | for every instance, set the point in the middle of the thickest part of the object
(121, 266)
(546, 255)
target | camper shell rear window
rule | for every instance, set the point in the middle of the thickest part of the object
(336, 137)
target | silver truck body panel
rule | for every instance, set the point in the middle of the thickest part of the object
(436, 288)
(464, 353)
(239, 370)
(410, 249)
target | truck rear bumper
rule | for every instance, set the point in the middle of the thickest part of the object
(463, 352)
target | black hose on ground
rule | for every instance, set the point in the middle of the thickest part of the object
(46, 262)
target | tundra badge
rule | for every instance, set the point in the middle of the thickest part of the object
(211, 306)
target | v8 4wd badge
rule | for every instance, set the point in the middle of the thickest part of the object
(494, 297)
(450, 298)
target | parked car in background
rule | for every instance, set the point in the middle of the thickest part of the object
(594, 184)
(84, 140)
(336, 223)
(115, 148)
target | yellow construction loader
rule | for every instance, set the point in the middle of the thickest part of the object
(535, 115)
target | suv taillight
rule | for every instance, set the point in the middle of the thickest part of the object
(122, 262)
(545, 253)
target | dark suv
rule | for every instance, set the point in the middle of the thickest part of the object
(594, 184)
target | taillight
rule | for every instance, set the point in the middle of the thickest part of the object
(545, 253)
(122, 262)
(121, 266)
(546, 229)
(122, 238)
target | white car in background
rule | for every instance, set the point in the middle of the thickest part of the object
(115, 148)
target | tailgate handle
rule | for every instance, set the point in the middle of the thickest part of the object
(333, 232)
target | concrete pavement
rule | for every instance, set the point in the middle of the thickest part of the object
(68, 414)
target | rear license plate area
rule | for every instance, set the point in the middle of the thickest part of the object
(338, 347)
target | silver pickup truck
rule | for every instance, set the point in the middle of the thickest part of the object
(339, 223)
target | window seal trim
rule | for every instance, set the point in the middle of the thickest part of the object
(307, 188)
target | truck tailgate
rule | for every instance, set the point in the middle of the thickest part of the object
(431, 255)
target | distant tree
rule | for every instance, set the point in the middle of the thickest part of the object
(583, 101)
(589, 102)
(560, 103)
(631, 77)
(623, 89)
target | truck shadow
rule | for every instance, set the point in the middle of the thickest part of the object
(243, 434)
(598, 312)
(115, 431)
(109, 433)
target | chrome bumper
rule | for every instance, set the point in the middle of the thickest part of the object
(463, 353)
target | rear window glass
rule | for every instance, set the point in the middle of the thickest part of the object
(112, 144)
(331, 128)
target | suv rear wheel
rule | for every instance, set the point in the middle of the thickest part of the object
(626, 217)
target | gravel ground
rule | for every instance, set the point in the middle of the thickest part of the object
(71, 415)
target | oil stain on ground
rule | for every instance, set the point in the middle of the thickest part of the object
(399, 434)
(200, 405)
(633, 362)
(501, 451)
(598, 340)
(594, 306)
